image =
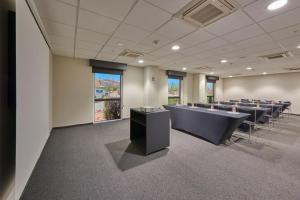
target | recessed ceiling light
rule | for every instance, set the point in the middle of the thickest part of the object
(224, 61)
(120, 44)
(249, 68)
(184, 68)
(298, 47)
(211, 73)
(264, 73)
(277, 4)
(230, 76)
(175, 47)
(140, 61)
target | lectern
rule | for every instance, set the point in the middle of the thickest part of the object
(150, 127)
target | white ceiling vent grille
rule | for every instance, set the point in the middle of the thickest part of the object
(204, 12)
(273, 56)
(131, 53)
(203, 68)
(293, 68)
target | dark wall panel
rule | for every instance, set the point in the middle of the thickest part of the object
(7, 97)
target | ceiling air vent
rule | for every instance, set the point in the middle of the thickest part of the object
(131, 53)
(204, 12)
(293, 68)
(203, 68)
(277, 55)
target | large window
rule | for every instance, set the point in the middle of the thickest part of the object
(107, 97)
(210, 91)
(174, 91)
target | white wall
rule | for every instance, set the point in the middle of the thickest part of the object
(187, 89)
(33, 95)
(133, 86)
(72, 91)
(270, 87)
(219, 90)
(155, 86)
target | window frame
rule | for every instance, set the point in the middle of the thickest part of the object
(179, 92)
(95, 100)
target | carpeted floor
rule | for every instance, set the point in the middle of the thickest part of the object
(98, 162)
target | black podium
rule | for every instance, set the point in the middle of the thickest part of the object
(150, 128)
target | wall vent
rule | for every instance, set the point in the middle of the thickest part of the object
(131, 53)
(203, 68)
(293, 68)
(204, 12)
(277, 55)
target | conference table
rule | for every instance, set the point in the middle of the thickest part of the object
(256, 113)
(213, 125)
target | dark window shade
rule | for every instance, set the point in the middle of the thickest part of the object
(176, 77)
(99, 66)
(212, 79)
(176, 74)
(107, 71)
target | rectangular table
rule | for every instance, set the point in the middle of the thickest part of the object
(213, 125)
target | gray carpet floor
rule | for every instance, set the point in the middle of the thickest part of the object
(99, 162)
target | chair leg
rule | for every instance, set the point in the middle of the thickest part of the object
(250, 132)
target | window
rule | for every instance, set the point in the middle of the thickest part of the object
(174, 90)
(210, 91)
(107, 97)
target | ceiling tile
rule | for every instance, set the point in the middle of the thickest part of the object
(69, 52)
(90, 54)
(259, 40)
(57, 11)
(112, 8)
(59, 29)
(147, 17)
(61, 42)
(90, 36)
(211, 44)
(286, 32)
(244, 33)
(230, 23)
(258, 10)
(171, 6)
(287, 19)
(88, 45)
(161, 41)
(131, 33)
(71, 2)
(106, 56)
(118, 42)
(94, 22)
(175, 29)
(112, 50)
(197, 37)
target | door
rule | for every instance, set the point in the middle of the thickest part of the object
(107, 96)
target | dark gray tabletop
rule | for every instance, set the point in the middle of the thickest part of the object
(213, 125)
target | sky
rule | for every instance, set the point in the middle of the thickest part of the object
(113, 77)
(173, 81)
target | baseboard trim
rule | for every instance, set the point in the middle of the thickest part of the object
(74, 125)
(83, 124)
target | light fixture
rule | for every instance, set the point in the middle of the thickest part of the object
(249, 68)
(298, 47)
(211, 73)
(277, 4)
(120, 44)
(223, 61)
(184, 68)
(141, 61)
(264, 73)
(230, 76)
(175, 47)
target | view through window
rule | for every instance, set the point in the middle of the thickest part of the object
(210, 91)
(107, 97)
(173, 91)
